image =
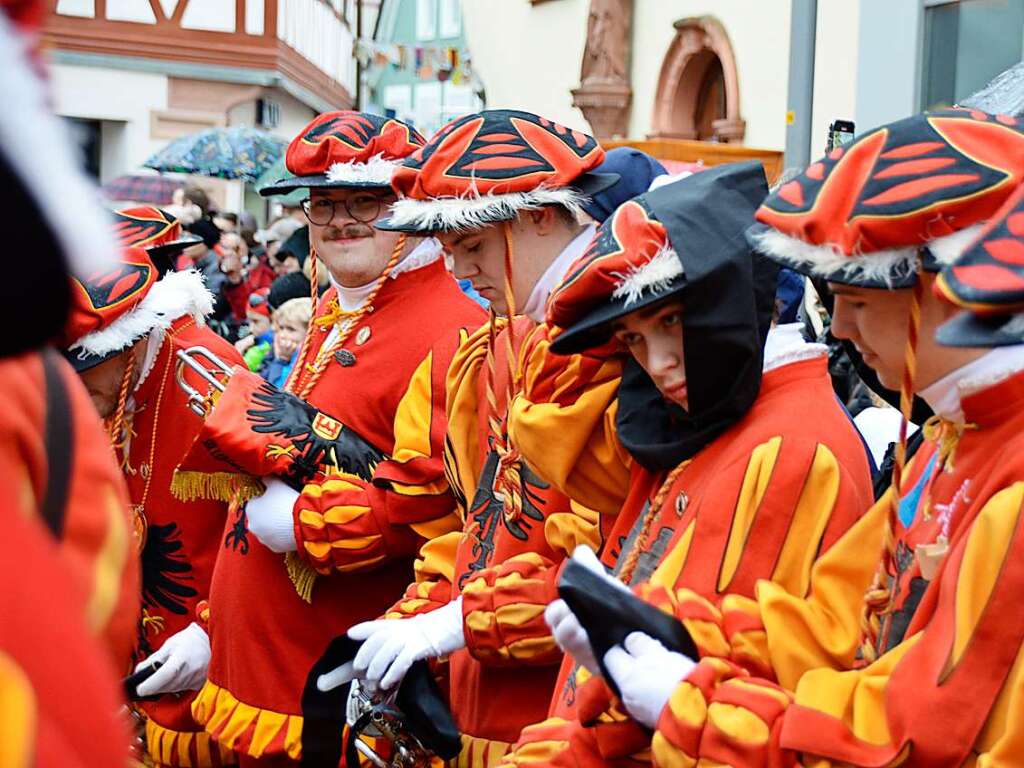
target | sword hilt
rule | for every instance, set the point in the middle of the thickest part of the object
(382, 722)
(209, 368)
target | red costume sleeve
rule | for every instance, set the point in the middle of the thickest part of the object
(503, 606)
(345, 523)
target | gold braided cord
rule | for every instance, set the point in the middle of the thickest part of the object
(633, 557)
(878, 600)
(307, 340)
(118, 429)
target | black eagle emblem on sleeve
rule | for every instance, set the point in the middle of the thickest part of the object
(317, 437)
(487, 513)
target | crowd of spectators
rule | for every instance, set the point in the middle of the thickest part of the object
(259, 278)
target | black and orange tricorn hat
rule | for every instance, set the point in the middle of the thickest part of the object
(987, 282)
(486, 167)
(907, 196)
(152, 228)
(113, 308)
(346, 149)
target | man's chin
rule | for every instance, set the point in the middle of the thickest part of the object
(336, 255)
(887, 380)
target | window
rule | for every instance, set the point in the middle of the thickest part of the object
(451, 18)
(459, 100)
(398, 99)
(426, 19)
(87, 135)
(966, 44)
(428, 107)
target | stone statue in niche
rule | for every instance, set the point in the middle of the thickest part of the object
(605, 57)
(604, 93)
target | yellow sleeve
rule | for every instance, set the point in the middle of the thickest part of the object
(563, 422)
(435, 564)
(414, 476)
(503, 606)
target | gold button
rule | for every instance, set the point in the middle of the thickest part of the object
(363, 336)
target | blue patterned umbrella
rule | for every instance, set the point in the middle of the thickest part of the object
(224, 153)
(142, 188)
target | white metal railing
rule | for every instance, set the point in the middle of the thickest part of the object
(313, 29)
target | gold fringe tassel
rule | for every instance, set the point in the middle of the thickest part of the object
(219, 486)
(301, 574)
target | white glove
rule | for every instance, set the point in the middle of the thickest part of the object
(585, 556)
(570, 636)
(391, 646)
(646, 673)
(565, 627)
(185, 657)
(270, 516)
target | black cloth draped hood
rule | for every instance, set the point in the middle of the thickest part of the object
(728, 295)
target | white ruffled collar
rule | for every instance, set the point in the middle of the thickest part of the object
(537, 303)
(944, 395)
(785, 344)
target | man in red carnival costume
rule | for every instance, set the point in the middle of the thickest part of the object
(729, 482)
(127, 327)
(331, 540)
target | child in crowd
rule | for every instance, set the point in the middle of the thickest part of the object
(256, 345)
(289, 328)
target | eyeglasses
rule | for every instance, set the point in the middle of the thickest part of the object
(363, 208)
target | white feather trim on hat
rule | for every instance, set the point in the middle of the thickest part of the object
(877, 266)
(376, 170)
(171, 297)
(475, 211)
(39, 147)
(654, 276)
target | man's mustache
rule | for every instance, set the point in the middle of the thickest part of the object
(355, 229)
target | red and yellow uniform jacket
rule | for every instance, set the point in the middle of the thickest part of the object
(504, 563)
(780, 682)
(59, 696)
(266, 637)
(181, 538)
(762, 501)
(96, 539)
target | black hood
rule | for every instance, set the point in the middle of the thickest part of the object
(728, 295)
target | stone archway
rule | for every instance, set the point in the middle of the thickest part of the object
(698, 94)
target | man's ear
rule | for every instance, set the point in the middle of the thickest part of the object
(545, 220)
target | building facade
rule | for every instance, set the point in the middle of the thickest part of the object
(719, 69)
(419, 70)
(135, 74)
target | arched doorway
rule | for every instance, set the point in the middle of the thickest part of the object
(698, 89)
